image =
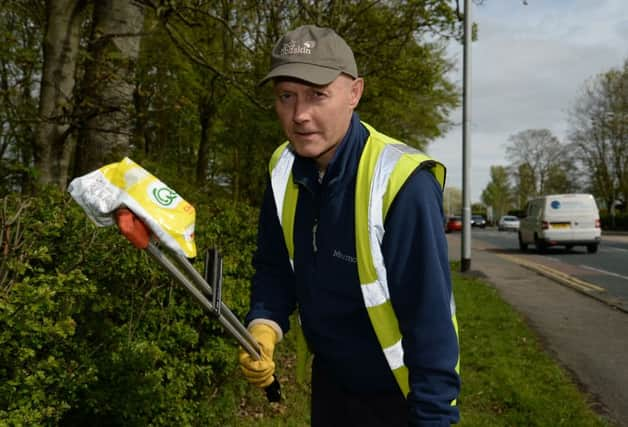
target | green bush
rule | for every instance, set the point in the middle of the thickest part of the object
(92, 331)
(621, 221)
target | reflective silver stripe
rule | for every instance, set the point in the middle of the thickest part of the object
(405, 149)
(377, 293)
(279, 179)
(374, 294)
(386, 162)
(452, 304)
(394, 355)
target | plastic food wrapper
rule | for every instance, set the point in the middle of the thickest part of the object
(126, 184)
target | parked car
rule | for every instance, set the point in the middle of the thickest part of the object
(561, 220)
(478, 221)
(454, 223)
(508, 223)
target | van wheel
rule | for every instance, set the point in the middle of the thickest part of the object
(592, 248)
(522, 246)
(540, 245)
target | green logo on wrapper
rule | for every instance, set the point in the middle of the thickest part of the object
(164, 196)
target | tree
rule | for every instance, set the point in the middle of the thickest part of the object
(103, 111)
(498, 193)
(406, 94)
(478, 208)
(452, 201)
(599, 134)
(107, 88)
(562, 178)
(180, 93)
(56, 99)
(539, 151)
(167, 96)
(20, 71)
(524, 185)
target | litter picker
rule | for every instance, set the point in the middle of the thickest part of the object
(125, 184)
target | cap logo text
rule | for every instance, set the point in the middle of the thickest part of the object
(295, 48)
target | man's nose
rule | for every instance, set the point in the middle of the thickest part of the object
(302, 111)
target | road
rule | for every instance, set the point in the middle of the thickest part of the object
(604, 274)
(587, 337)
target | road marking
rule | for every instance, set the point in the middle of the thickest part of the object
(610, 273)
(613, 248)
(554, 274)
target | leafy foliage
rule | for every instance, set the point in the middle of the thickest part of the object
(539, 151)
(197, 108)
(617, 222)
(498, 193)
(20, 66)
(91, 333)
(598, 132)
(539, 164)
(92, 330)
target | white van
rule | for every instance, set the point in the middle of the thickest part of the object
(561, 220)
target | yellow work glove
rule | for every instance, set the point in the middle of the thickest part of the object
(260, 372)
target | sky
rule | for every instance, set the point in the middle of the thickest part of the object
(528, 66)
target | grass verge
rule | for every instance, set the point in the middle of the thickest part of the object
(507, 377)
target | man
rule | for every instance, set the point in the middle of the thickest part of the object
(351, 233)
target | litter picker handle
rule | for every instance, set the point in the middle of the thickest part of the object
(213, 277)
(227, 318)
(192, 281)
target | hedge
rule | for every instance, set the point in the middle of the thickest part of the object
(621, 221)
(92, 332)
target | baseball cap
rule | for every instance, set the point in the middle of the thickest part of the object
(312, 54)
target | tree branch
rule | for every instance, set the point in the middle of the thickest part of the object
(193, 55)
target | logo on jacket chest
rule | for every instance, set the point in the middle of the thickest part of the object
(344, 257)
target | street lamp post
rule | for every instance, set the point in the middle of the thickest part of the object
(465, 258)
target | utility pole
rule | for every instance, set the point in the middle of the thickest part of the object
(465, 258)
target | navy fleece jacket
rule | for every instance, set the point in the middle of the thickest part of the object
(326, 288)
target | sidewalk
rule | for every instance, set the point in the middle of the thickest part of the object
(587, 337)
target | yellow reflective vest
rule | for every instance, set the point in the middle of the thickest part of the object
(384, 167)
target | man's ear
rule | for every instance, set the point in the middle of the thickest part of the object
(357, 87)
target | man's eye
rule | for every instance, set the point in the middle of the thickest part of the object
(284, 96)
(319, 94)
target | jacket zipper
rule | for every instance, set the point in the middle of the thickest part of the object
(317, 209)
(314, 228)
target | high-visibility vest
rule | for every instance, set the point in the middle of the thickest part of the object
(384, 167)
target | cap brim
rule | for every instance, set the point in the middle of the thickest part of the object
(307, 72)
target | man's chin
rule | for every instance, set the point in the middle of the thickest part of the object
(307, 149)
(308, 154)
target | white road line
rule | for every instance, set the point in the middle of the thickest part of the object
(610, 273)
(613, 248)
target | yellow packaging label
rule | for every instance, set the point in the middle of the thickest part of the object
(126, 183)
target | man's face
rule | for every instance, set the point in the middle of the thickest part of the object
(316, 118)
